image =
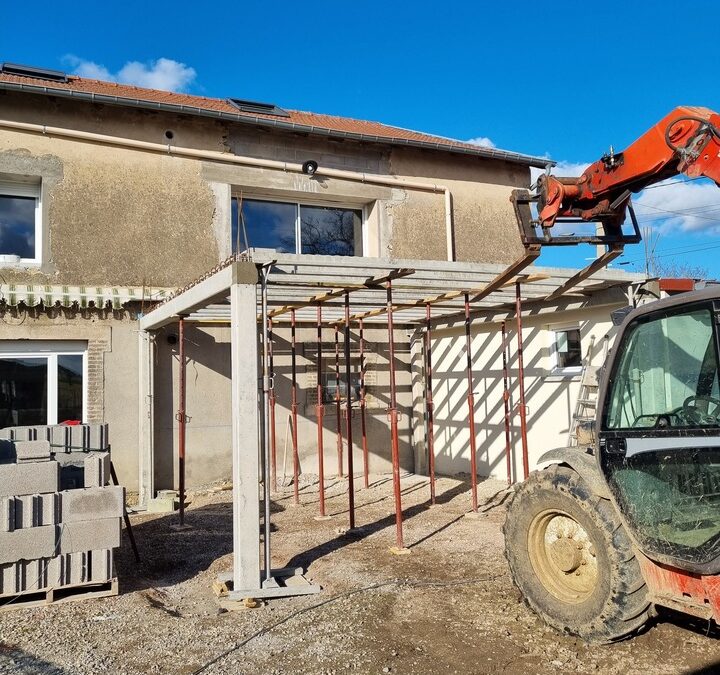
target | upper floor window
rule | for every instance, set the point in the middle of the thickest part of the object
(290, 227)
(20, 223)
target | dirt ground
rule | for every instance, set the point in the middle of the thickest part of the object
(448, 607)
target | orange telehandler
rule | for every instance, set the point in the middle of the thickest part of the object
(606, 532)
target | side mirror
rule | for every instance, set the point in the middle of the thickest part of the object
(619, 315)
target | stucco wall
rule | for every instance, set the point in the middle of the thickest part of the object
(550, 398)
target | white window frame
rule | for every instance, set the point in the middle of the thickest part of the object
(25, 189)
(50, 349)
(555, 367)
(298, 229)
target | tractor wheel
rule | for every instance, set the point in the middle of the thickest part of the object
(572, 559)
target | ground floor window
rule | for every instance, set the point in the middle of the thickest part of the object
(42, 382)
(290, 227)
(567, 349)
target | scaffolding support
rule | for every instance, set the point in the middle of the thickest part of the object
(338, 404)
(273, 444)
(181, 417)
(395, 443)
(348, 410)
(471, 407)
(320, 412)
(293, 409)
(429, 403)
(366, 467)
(506, 403)
(521, 384)
(265, 422)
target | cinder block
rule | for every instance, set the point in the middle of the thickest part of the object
(97, 469)
(28, 544)
(37, 510)
(28, 478)
(101, 569)
(92, 504)
(32, 451)
(89, 535)
(99, 437)
(59, 438)
(7, 514)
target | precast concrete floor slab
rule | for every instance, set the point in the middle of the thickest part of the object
(448, 607)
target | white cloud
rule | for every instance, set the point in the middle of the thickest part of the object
(482, 141)
(163, 73)
(562, 168)
(676, 205)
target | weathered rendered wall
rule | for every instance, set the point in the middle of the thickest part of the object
(550, 398)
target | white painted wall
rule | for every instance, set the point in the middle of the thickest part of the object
(550, 397)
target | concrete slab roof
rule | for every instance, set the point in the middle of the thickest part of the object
(303, 281)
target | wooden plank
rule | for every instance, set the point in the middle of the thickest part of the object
(55, 596)
(603, 261)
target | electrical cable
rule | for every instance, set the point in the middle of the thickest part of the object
(382, 584)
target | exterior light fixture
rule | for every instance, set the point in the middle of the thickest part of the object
(309, 167)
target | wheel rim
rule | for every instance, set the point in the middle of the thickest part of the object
(563, 556)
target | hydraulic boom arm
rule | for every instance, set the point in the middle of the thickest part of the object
(686, 141)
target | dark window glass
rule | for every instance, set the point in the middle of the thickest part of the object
(69, 388)
(17, 226)
(267, 225)
(330, 231)
(567, 345)
(330, 388)
(23, 391)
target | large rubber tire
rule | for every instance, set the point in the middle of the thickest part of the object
(572, 560)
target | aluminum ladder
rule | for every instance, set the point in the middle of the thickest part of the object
(586, 402)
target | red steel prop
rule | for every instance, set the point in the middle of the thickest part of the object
(273, 447)
(293, 409)
(471, 407)
(506, 403)
(429, 403)
(320, 412)
(521, 383)
(366, 469)
(394, 422)
(348, 410)
(181, 416)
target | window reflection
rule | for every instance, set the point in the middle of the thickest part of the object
(267, 225)
(69, 388)
(23, 391)
(17, 226)
(330, 231)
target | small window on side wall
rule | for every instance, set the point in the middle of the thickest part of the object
(20, 226)
(568, 350)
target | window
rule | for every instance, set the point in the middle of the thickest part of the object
(290, 227)
(667, 375)
(330, 387)
(42, 382)
(567, 349)
(20, 226)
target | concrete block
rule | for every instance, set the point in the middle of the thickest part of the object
(162, 504)
(92, 504)
(7, 514)
(97, 469)
(32, 451)
(60, 438)
(37, 510)
(101, 569)
(90, 535)
(28, 478)
(28, 544)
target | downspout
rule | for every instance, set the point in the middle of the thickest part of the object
(216, 156)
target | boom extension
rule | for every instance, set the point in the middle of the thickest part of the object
(687, 141)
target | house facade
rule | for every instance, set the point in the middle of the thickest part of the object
(112, 197)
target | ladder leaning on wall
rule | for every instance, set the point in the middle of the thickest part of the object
(586, 402)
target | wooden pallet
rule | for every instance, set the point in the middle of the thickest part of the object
(54, 596)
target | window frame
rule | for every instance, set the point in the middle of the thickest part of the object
(9, 188)
(50, 350)
(298, 203)
(555, 368)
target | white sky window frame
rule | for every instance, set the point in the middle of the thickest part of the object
(31, 189)
(50, 350)
(239, 197)
(558, 337)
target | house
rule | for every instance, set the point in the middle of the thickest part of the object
(113, 196)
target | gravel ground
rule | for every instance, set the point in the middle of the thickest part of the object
(448, 607)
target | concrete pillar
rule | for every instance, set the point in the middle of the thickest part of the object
(245, 426)
(146, 463)
(417, 374)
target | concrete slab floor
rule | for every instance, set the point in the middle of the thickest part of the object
(377, 616)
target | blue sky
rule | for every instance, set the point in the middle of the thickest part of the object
(564, 80)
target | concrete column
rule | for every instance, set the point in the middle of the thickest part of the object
(146, 432)
(245, 426)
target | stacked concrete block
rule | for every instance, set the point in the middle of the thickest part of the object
(51, 538)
